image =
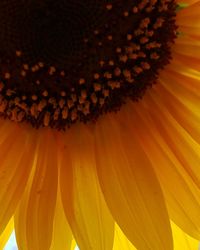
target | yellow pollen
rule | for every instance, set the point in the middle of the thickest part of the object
(63, 93)
(61, 103)
(42, 104)
(62, 73)
(25, 66)
(97, 87)
(129, 37)
(96, 76)
(34, 97)
(23, 73)
(81, 81)
(41, 64)
(1, 86)
(46, 119)
(135, 9)
(45, 93)
(109, 6)
(126, 13)
(65, 113)
(7, 75)
(18, 53)
(94, 98)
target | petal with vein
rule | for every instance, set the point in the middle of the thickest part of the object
(130, 186)
(62, 235)
(17, 149)
(120, 240)
(182, 241)
(83, 202)
(4, 237)
(34, 218)
(177, 181)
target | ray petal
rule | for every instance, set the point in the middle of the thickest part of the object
(190, 16)
(6, 233)
(182, 240)
(130, 187)
(174, 170)
(34, 218)
(84, 205)
(17, 148)
(62, 235)
(120, 241)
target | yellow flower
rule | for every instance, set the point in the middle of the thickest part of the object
(129, 180)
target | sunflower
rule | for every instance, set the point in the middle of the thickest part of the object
(100, 124)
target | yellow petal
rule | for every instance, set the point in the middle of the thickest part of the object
(120, 240)
(62, 235)
(168, 152)
(182, 100)
(85, 208)
(6, 234)
(130, 186)
(17, 148)
(182, 241)
(34, 218)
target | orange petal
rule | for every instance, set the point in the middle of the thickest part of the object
(17, 150)
(84, 205)
(168, 151)
(4, 237)
(130, 186)
(187, 49)
(182, 101)
(189, 16)
(187, 61)
(34, 218)
(62, 235)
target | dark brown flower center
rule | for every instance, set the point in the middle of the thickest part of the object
(67, 61)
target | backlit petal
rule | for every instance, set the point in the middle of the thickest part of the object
(85, 208)
(130, 187)
(17, 148)
(120, 240)
(182, 241)
(62, 235)
(34, 218)
(171, 163)
(6, 233)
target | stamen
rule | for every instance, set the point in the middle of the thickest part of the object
(58, 69)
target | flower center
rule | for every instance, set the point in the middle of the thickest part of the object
(67, 61)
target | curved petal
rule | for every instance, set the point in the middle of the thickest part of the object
(182, 103)
(34, 218)
(17, 148)
(182, 240)
(83, 202)
(4, 237)
(154, 132)
(130, 186)
(187, 61)
(62, 235)
(187, 46)
(120, 240)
